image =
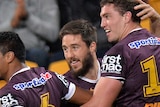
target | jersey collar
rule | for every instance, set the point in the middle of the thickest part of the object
(19, 71)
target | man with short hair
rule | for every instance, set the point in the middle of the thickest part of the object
(130, 71)
(28, 87)
(79, 44)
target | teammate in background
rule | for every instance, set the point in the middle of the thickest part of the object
(130, 75)
(149, 12)
(88, 10)
(88, 74)
(28, 87)
(79, 44)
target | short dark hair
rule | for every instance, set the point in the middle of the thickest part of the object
(82, 27)
(10, 41)
(122, 6)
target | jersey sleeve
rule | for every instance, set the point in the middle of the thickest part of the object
(68, 87)
(10, 99)
(113, 64)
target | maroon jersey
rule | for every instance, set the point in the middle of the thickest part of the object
(82, 82)
(35, 87)
(135, 62)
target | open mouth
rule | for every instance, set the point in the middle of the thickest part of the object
(73, 62)
(107, 31)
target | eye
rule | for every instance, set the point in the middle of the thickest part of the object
(107, 16)
(75, 47)
(64, 49)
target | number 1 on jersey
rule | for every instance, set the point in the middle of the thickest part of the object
(45, 100)
(153, 86)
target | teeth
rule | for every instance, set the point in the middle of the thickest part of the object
(107, 31)
(73, 61)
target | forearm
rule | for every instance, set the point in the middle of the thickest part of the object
(155, 26)
(103, 96)
(81, 96)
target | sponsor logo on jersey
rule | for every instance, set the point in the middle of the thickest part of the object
(111, 64)
(62, 78)
(8, 101)
(155, 104)
(144, 42)
(35, 82)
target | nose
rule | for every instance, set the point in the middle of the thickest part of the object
(103, 23)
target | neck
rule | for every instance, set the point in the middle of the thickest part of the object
(13, 69)
(93, 72)
(128, 28)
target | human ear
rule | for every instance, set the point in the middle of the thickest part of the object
(128, 16)
(9, 56)
(93, 47)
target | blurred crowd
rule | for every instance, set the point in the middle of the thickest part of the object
(38, 23)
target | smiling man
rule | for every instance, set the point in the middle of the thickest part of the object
(130, 71)
(79, 44)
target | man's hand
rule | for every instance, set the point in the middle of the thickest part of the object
(147, 11)
(20, 13)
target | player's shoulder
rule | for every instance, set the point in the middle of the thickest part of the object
(9, 97)
(68, 73)
(42, 72)
(7, 93)
(43, 75)
(126, 43)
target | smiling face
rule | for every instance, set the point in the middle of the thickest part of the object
(77, 54)
(113, 22)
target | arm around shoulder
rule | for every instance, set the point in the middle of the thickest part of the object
(81, 96)
(105, 93)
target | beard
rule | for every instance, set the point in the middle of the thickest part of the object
(87, 64)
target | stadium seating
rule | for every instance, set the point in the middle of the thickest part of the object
(60, 66)
(2, 83)
(146, 24)
(31, 63)
(156, 5)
